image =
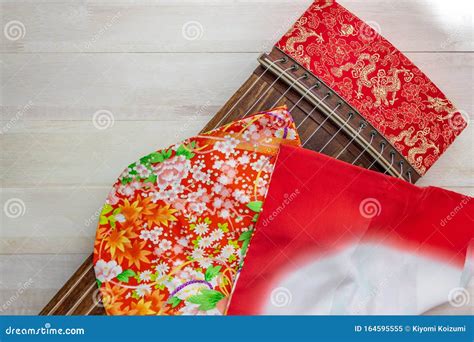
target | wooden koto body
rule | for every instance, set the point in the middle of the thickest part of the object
(330, 126)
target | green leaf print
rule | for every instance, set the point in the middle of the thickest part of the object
(123, 277)
(185, 151)
(245, 237)
(126, 180)
(255, 218)
(151, 179)
(207, 300)
(211, 272)
(174, 301)
(157, 157)
(167, 154)
(255, 206)
(223, 226)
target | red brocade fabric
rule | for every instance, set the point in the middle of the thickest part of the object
(334, 238)
(377, 80)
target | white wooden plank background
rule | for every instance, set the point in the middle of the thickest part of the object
(131, 59)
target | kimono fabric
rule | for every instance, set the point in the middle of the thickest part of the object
(177, 223)
(334, 238)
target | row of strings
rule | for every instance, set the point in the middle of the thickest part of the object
(320, 100)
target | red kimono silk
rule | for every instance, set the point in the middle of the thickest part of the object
(338, 239)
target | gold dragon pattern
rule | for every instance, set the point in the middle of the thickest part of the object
(381, 85)
(378, 80)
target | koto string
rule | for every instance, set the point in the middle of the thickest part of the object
(392, 156)
(288, 89)
(317, 85)
(312, 110)
(269, 88)
(361, 127)
(247, 91)
(382, 148)
(365, 148)
(337, 132)
(322, 123)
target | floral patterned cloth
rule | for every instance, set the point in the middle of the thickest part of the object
(177, 223)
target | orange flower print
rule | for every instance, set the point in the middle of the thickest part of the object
(177, 224)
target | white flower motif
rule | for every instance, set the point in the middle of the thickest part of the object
(224, 213)
(260, 182)
(201, 228)
(244, 159)
(205, 263)
(227, 146)
(143, 289)
(155, 234)
(205, 242)
(145, 234)
(197, 254)
(119, 218)
(183, 242)
(217, 164)
(197, 207)
(217, 202)
(227, 251)
(240, 196)
(223, 179)
(259, 164)
(142, 171)
(106, 271)
(216, 235)
(217, 188)
(200, 176)
(162, 268)
(231, 162)
(126, 190)
(145, 275)
(165, 244)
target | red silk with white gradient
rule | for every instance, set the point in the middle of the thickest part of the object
(334, 238)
